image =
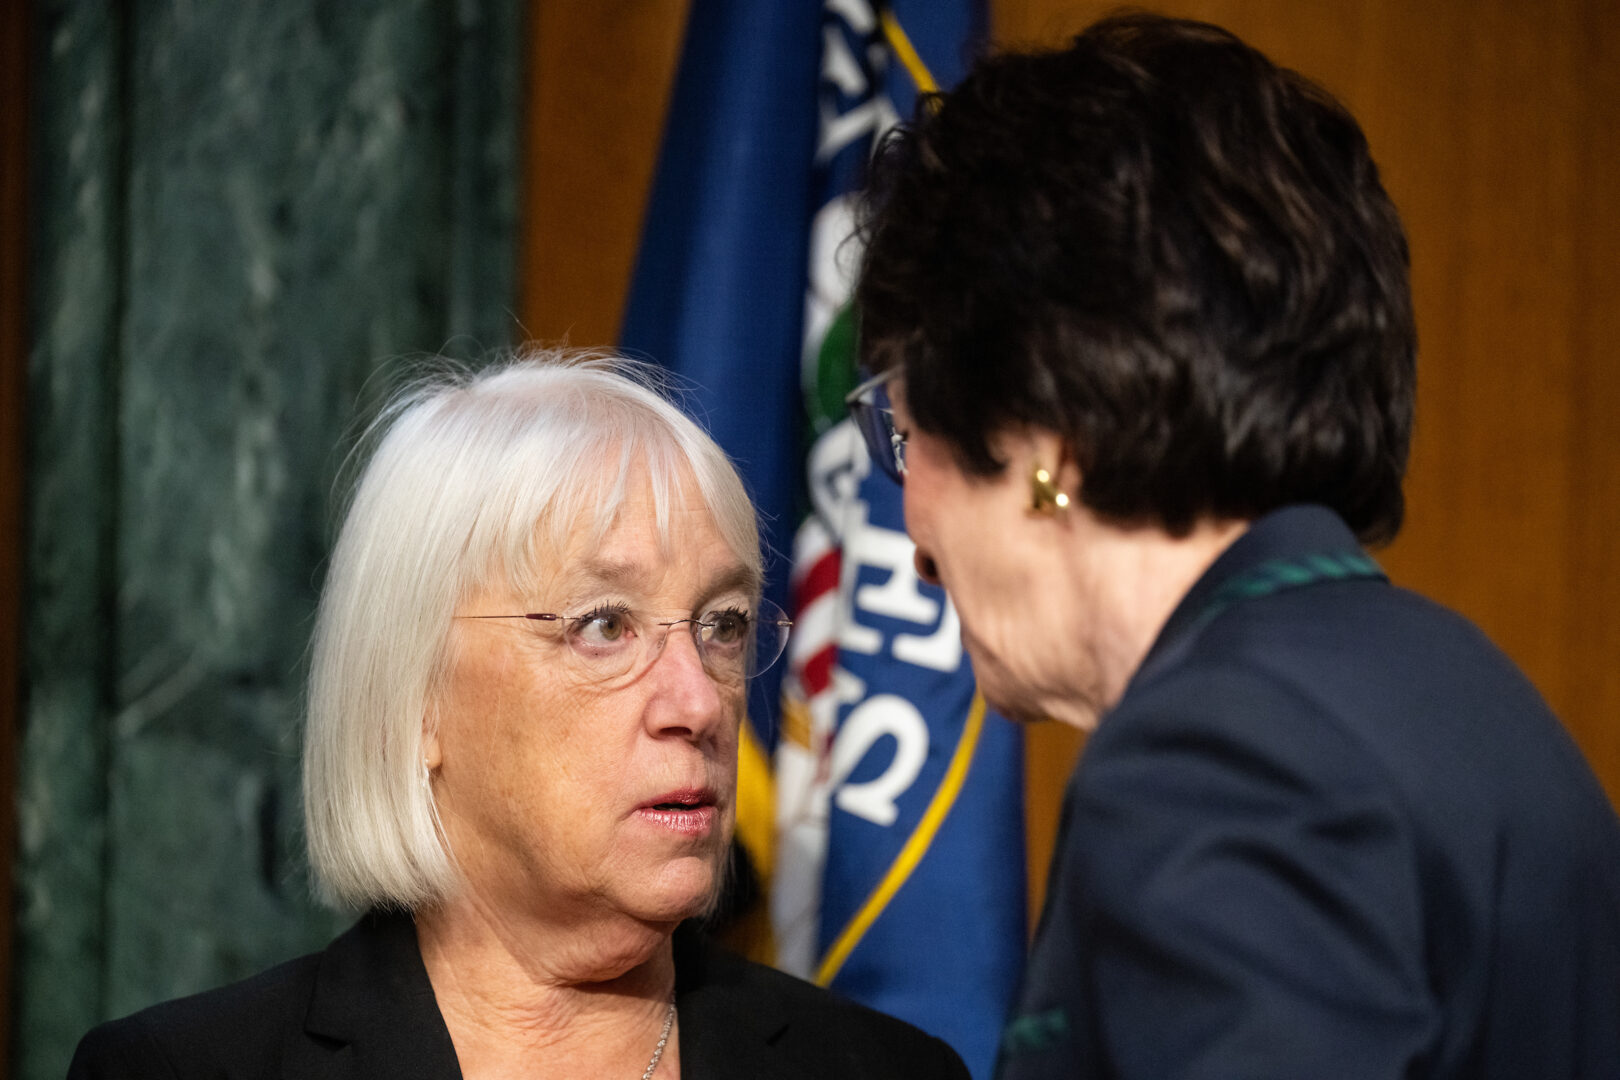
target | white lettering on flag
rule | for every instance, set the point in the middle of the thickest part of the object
(877, 716)
(941, 650)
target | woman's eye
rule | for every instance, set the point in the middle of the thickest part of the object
(729, 627)
(605, 626)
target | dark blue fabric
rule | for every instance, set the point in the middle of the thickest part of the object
(718, 291)
(1331, 832)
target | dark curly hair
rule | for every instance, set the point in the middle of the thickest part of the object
(1166, 249)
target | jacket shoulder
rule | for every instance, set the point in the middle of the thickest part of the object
(730, 1002)
(232, 1031)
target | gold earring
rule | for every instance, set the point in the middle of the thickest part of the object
(1044, 496)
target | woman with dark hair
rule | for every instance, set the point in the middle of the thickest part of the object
(1142, 336)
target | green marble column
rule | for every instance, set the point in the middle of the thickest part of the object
(248, 216)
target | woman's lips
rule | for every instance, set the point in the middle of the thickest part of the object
(688, 812)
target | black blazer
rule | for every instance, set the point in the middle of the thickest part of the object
(364, 1008)
(1328, 831)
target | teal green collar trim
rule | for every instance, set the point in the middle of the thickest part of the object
(1034, 1033)
(1280, 575)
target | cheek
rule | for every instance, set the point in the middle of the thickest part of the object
(958, 523)
(920, 496)
(986, 580)
(504, 731)
(724, 738)
(724, 748)
(583, 750)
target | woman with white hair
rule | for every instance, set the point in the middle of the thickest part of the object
(529, 671)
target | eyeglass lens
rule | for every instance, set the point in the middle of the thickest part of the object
(733, 645)
(875, 421)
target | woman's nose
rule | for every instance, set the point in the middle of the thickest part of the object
(685, 699)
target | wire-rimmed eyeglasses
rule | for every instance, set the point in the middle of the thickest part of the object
(616, 642)
(869, 407)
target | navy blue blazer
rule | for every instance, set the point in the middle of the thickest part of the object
(364, 1008)
(1328, 831)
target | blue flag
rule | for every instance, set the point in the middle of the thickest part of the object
(718, 289)
(896, 854)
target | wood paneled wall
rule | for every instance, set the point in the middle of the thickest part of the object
(599, 82)
(1497, 126)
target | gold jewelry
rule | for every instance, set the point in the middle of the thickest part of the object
(1044, 496)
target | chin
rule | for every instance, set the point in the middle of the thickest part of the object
(1014, 697)
(685, 888)
(1013, 706)
(995, 684)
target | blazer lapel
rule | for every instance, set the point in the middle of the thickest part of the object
(729, 1027)
(372, 1012)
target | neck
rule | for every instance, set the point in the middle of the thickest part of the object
(521, 999)
(1134, 578)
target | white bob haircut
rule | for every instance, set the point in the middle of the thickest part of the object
(476, 478)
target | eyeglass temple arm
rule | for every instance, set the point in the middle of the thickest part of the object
(544, 616)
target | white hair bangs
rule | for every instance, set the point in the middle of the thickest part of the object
(475, 478)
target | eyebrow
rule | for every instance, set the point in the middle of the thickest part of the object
(635, 576)
(618, 574)
(739, 578)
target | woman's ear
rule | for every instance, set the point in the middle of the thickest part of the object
(432, 755)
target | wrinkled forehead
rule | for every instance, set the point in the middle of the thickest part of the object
(641, 532)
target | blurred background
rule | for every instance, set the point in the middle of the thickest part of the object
(224, 228)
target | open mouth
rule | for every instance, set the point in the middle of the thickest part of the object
(686, 812)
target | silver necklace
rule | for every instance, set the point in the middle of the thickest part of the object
(663, 1041)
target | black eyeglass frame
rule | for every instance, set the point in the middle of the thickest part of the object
(869, 408)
